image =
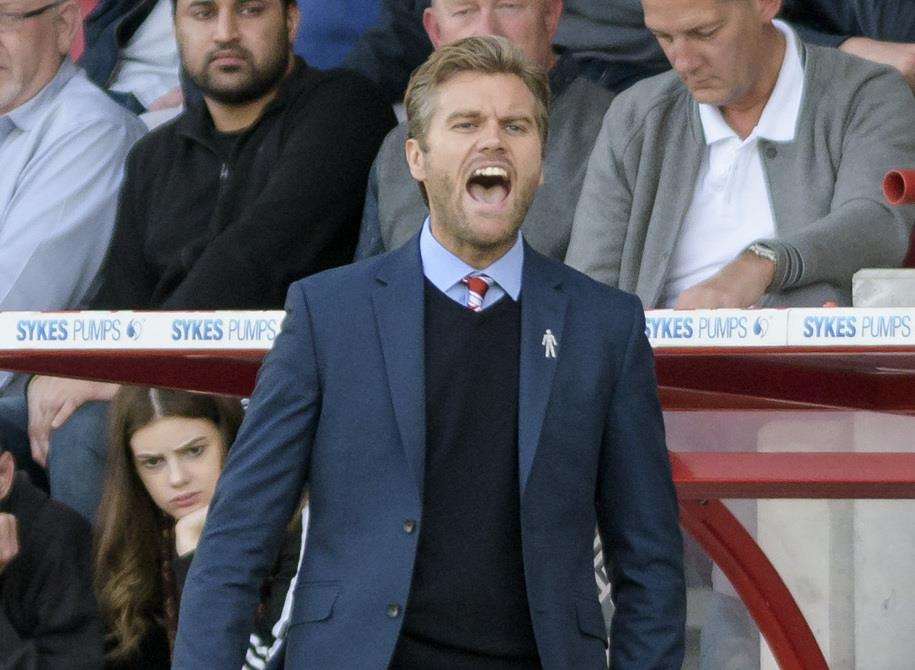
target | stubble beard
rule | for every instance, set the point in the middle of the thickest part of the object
(260, 81)
(447, 199)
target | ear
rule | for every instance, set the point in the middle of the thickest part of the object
(416, 159)
(433, 30)
(769, 9)
(553, 13)
(68, 21)
(292, 21)
(7, 473)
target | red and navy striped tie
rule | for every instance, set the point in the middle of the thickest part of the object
(477, 285)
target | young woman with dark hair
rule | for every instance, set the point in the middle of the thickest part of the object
(165, 454)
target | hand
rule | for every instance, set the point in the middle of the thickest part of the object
(9, 540)
(899, 55)
(51, 401)
(740, 283)
(174, 98)
(188, 530)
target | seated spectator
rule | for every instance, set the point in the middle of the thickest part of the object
(165, 454)
(751, 174)
(62, 148)
(48, 613)
(882, 31)
(395, 207)
(131, 52)
(222, 208)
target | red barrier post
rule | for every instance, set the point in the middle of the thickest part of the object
(899, 187)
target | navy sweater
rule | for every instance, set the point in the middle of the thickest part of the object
(468, 603)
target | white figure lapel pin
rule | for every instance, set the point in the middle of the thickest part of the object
(549, 344)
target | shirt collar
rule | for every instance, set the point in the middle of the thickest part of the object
(444, 269)
(29, 113)
(778, 121)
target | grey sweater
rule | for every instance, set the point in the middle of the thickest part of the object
(857, 121)
(395, 211)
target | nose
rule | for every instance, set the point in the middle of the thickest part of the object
(226, 26)
(487, 23)
(177, 474)
(491, 136)
(683, 57)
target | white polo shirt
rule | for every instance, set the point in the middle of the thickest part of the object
(730, 207)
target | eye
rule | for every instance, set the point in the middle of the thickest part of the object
(202, 13)
(151, 463)
(464, 125)
(195, 450)
(706, 34)
(517, 128)
(251, 9)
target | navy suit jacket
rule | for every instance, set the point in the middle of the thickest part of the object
(340, 406)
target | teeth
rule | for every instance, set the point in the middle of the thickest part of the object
(491, 172)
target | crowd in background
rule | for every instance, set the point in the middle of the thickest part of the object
(700, 154)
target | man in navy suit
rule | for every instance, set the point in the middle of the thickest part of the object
(464, 413)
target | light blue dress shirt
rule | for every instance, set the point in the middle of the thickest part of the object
(445, 270)
(62, 155)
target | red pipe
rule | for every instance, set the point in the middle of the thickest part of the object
(899, 187)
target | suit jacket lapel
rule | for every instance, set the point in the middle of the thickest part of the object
(399, 311)
(543, 307)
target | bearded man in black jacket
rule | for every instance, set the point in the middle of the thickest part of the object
(256, 186)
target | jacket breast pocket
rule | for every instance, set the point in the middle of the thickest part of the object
(591, 619)
(314, 602)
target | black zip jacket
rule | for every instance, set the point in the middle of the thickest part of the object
(48, 615)
(196, 230)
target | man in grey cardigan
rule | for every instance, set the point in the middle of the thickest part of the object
(394, 207)
(750, 174)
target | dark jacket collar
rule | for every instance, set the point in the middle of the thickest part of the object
(197, 124)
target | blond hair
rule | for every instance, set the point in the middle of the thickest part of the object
(485, 55)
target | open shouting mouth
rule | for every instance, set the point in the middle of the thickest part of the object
(489, 185)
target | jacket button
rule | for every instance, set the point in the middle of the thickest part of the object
(393, 610)
(409, 526)
(771, 152)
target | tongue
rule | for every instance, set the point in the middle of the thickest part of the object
(490, 195)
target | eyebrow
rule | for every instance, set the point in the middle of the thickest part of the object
(699, 28)
(193, 442)
(473, 114)
(464, 114)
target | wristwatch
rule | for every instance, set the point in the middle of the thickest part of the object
(763, 251)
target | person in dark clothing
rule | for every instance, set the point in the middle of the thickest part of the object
(48, 613)
(260, 184)
(166, 451)
(882, 31)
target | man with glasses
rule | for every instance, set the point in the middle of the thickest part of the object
(63, 144)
